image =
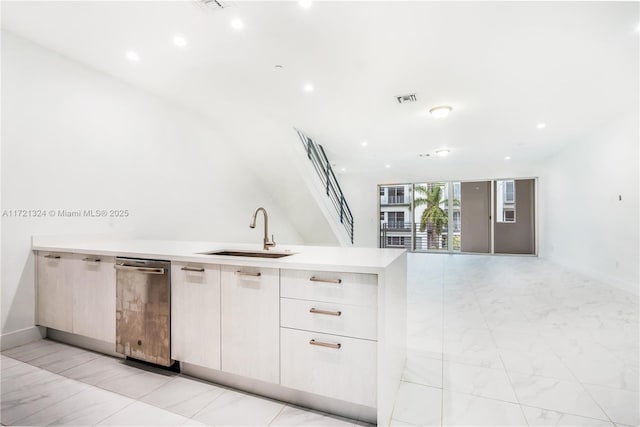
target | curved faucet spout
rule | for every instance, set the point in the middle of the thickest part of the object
(266, 242)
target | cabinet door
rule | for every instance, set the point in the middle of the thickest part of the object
(54, 287)
(195, 314)
(330, 365)
(250, 322)
(94, 296)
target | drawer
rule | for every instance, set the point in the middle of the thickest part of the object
(329, 318)
(327, 286)
(345, 371)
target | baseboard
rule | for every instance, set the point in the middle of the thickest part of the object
(607, 279)
(21, 337)
(284, 394)
(84, 342)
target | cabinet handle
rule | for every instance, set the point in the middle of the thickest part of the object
(325, 344)
(146, 270)
(318, 279)
(196, 269)
(52, 256)
(240, 273)
(327, 312)
(91, 259)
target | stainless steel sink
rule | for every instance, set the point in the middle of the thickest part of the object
(252, 254)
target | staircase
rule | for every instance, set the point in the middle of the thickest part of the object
(316, 155)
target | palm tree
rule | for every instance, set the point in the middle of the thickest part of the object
(431, 197)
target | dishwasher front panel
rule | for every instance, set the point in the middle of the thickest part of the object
(143, 309)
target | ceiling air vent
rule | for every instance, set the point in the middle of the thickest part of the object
(406, 98)
(214, 4)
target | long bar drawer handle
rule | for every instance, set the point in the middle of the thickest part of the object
(91, 259)
(325, 344)
(196, 269)
(327, 312)
(146, 270)
(52, 256)
(317, 279)
(240, 273)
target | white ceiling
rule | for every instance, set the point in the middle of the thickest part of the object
(503, 67)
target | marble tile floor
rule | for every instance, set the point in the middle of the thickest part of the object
(40, 386)
(492, 341)
(516, 341)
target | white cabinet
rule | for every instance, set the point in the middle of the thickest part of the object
(328, 334)
(77, 294)
(55, 290)
(250, 322)
(195, 314)
(329, 318)
(330, 365)
(346, 288)
(94, 296)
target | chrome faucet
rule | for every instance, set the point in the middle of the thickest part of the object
(266, 243)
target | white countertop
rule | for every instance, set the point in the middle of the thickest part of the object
(360, 260)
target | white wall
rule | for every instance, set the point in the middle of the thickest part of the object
(75, 138)
(585, 226)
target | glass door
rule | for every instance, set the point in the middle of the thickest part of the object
(432, 216)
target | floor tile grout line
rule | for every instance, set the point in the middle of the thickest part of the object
(117, 412)
(565, 413)
(56, 402)
(277, 415)
(208, 404)
(495, 343)
(582, 385)
(442, 282)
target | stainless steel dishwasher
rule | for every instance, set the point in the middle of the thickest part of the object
(143, 310)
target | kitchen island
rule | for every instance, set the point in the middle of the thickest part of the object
(322, 327)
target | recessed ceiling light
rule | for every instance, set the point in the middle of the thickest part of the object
(541, 125)
(364, 143)
(343, 169)
(387, 166)
(308, 87)
(278, 66)
(442, 153)
(441, 111)
(237, 24)
(507, 158)
(179, 41)
(304, 3)
(133, 56)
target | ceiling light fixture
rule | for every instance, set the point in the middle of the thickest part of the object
(442, 153)
(387, 166)
(133, 56)
(507, 158)
(237, 24)
(424, 155)
(364, 143)
(304, 3)
(440, 112)
(343, 169)
(541, 125)
(308, 87)
(179, 41)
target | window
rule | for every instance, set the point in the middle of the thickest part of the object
(509, 191)
(396, 195)
(396, 241)
(395, 219)
(456, 221)
(381, 216)
(381, 191)
(506, 201)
